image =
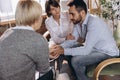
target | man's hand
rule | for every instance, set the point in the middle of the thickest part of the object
(51, 51)
(70, 37)
(57, 50)
(81, 41)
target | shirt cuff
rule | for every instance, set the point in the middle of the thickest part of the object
(67, 51)
(68, 43)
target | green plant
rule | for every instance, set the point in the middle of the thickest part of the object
(110, 9)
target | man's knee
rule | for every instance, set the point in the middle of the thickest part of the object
(78, 61)
(75, 62)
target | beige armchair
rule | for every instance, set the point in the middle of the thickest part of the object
(46, 35)
(107, 67)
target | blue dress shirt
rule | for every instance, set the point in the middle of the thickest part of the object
(97, 35)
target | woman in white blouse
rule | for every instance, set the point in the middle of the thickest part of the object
(57, 23)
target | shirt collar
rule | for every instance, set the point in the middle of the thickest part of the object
(86, 19)
(24, 27)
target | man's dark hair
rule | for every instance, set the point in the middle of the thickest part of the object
(79, 4)
(49, 3)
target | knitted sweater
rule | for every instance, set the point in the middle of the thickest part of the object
(22, 52)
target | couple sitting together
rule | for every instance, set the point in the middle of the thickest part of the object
(89, 41)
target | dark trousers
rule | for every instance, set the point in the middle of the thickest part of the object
(47, 76)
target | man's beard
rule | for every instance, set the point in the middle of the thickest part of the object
(75, 21)
(78, 20)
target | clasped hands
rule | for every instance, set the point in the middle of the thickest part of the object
(55, 51)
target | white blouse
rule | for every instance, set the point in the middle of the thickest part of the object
(58, 32)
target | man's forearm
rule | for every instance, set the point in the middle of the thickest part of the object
(69, 43)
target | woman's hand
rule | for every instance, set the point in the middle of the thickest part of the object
(70, 37)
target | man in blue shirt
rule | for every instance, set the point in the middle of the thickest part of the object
(93, 33)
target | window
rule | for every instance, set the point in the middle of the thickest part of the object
(9, 15)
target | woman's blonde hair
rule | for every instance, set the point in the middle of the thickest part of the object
(27, 12)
